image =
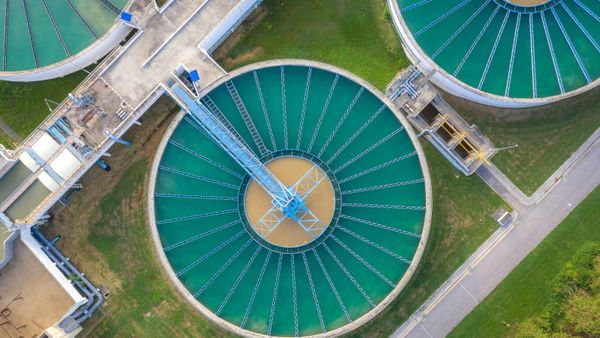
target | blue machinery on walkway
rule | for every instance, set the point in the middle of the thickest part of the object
(288, 202)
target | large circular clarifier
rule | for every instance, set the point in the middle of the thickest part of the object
(504, 52)
(290, 234)
(371, 202)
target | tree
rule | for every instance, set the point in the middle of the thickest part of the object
(574, 308)
(531, 328)
(582, 314)
(595, 283)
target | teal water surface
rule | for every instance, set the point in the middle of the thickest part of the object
(39, 33)
(508, 53)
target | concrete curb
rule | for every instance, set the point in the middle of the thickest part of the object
(453, 281)
(91, 54)
(566, 167)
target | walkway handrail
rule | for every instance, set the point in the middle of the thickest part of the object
(50, 119)
(244, 156)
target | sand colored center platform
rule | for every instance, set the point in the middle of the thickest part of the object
(528, 2)
(539, 50)
(321, 202)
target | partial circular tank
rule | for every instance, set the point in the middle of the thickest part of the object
(49, 38)
(504, 52)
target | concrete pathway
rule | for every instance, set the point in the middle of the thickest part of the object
(504, 250)
(129, 79)
(504, 187)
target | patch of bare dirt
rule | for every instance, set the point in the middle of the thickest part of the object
(220, 54)
(229, 62)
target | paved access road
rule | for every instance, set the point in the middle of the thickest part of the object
(498, 256)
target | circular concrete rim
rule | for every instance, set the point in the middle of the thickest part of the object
(454, 86)
(90, 54)
(426, 221)
(512, 2)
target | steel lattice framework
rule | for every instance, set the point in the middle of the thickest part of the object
(288, 202)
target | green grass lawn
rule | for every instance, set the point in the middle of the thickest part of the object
(355, 35)
(525, 292)
(6, 140)
(105, 233)
(359, 37)
(105, 229)
(23, 106)
(546, 135)
(462, 205)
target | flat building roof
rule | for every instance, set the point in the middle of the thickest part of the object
(32, 298)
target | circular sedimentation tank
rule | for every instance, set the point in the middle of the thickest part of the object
(373, 200)
(38, 34)
(532, 51)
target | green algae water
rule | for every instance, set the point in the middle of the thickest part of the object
(42, 32)
(27, 201)
(507, 50)
(374, 238)
(12, 179)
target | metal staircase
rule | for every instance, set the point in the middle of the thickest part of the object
(288, 202)
(247, 120)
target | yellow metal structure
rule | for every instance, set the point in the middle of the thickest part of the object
(459, 136)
